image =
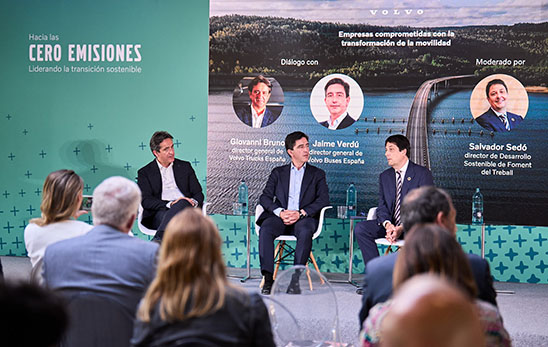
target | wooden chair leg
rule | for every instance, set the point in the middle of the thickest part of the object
(316, 266)
(262, 283)
(280, 249)
(309, 279)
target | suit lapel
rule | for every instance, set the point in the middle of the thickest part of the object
(511, 119)
(266, 118)
(155, 176)
(307, 179)
(390, 188)
(284, 181)
(408, 180)
(178, 173)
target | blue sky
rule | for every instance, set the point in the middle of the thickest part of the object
(391, 13)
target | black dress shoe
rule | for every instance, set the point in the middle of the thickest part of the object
(359, 291)
(158, 237)
(267, 288)
(294, 286)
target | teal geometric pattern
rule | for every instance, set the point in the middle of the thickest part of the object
(514, 253)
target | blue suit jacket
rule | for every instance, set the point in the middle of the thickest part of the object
(149, 180)
(416, 176)
(490, 121)
(314, 191)
(377, 284)
(244, 113)
(104, 261)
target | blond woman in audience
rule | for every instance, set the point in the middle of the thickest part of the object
(60, 207)
(190, 302)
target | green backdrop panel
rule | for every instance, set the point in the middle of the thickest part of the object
(97, 123)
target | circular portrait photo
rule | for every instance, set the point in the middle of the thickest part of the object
(499, 103)
(258, 101)
(336, 101)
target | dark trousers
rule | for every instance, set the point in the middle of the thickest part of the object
(272, 227)
(365, 234)
(162, 218)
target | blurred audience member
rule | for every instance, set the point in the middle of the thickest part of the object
(422, 205)
(33, 317)
(61, 200)
(190, 302)
(430, 248)
(430, 311)
(106, 260)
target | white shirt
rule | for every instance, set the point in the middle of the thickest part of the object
(333, 125)
(37, 238)
(170, 191)
(257, 120)
(295, 183)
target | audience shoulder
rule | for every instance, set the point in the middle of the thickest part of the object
(383, 263)
(148, 245)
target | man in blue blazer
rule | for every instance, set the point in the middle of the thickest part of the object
(496, 118)
(105, 261)
(257, 115)
(422, 205)
(388, 222)
(168, 185)
(292, 199)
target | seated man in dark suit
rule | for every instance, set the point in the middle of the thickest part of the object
(257, 115)
(496, 118)
(422, 205)
(106, 261)
(394, 184)
(292, 199)
(337, 98)
(168, 185)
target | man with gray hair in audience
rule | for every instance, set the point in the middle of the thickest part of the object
(426, 204)
(106, 261)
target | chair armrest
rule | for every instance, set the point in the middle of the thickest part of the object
(204, 208)
(320, 221)
(259, 209)
(372, 213)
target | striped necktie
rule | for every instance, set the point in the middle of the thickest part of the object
(398, 198)
(504, 121)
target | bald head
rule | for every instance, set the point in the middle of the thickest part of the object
(428, 205)
(429, 311)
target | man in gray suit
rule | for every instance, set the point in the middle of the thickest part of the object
(106, 261)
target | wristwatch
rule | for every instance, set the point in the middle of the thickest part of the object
(301, 214)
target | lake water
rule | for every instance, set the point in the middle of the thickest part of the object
(520, 198)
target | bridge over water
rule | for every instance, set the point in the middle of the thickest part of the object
(417, 131)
